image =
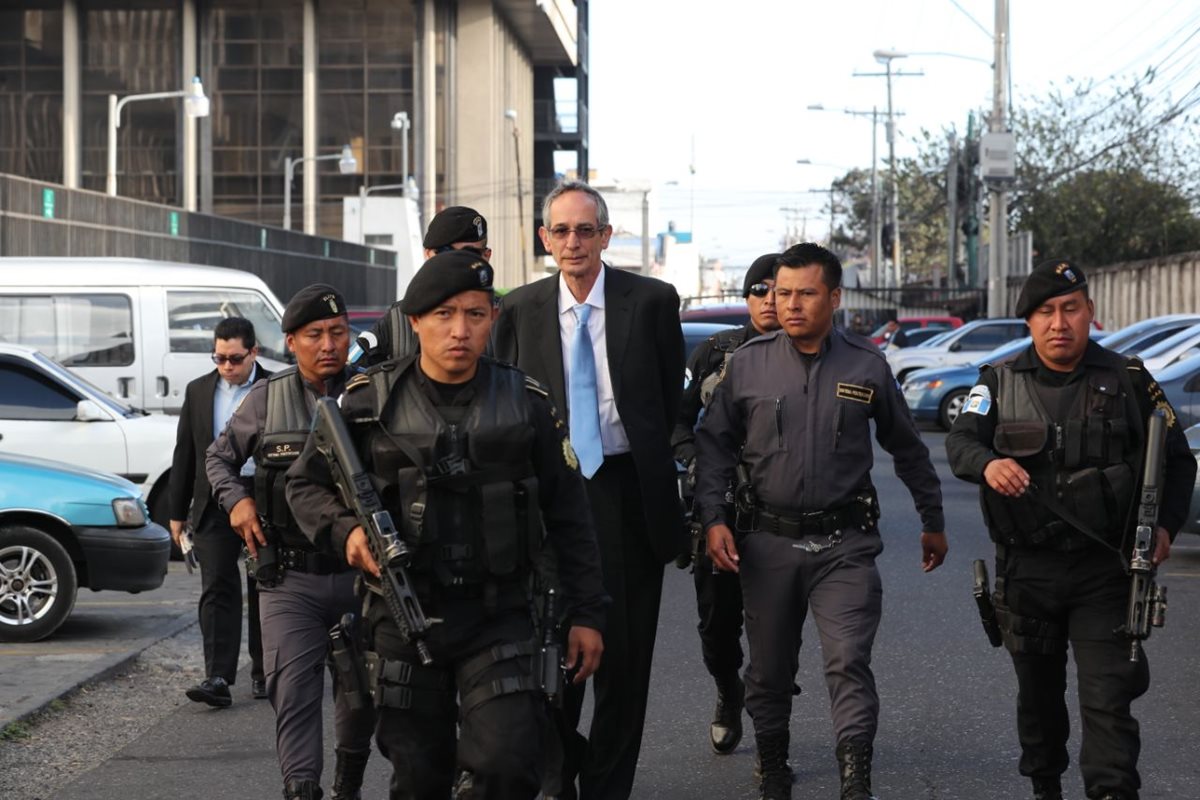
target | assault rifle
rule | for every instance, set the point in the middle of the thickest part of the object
(387, 548)
(1147, 600)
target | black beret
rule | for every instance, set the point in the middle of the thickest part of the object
(1049, 279)
(442, 277)
(455, 224)
(314, 302)
(762, 269)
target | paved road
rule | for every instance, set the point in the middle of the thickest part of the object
(947, 729)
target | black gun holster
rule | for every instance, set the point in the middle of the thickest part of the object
(349, 665)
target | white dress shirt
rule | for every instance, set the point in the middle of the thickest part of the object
(226, 400)
(612, 432)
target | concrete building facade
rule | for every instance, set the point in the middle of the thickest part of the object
(480, 80)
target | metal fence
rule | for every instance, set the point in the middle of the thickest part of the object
(42, 219)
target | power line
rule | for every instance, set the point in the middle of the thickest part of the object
(978, 24)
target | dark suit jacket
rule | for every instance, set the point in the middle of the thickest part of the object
(646, 362)
(189, 484)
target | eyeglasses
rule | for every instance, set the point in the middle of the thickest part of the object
(236, 360)
(560, 232)
(760, 289)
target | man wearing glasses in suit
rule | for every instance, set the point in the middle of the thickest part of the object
(208, 403)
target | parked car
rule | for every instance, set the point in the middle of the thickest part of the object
(916, 338)
(719, 313)
(140, 330)
(1181, 384)
(1192, 523)
(1142, 335)
(1181, 346)
(910, 324)
(47, 410)
(962, 346)
(63, 528)
(937, 394)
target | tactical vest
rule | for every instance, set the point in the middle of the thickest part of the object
(280, 443)
(726, 346)
(459, 480)
(399, 340)
(1086, 465)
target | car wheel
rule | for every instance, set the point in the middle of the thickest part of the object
(952, 405)
(37, 584)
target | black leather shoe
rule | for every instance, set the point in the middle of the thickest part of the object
(302, 790)
(258, 688)
(1047, 789)
(854, 761)
(214, 691)
(776, 776)
(726, 729)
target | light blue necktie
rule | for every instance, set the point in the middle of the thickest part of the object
(583, 396)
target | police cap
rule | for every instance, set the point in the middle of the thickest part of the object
(1049, 279)
(455, 224)
(442, 277)
(314, 302)
(763, 269)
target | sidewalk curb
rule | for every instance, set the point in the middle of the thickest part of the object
(99, 670)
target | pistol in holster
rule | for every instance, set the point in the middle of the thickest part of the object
(745, 501)
(983, 599)
(264, 567)
(349, 665)
(547, 664)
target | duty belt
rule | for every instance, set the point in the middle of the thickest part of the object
(860, 513)
(297, 560)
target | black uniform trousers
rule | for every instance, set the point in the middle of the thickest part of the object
(500, 742)
(1083, 595)
(719, 603)
(219, 550)
(606, 762)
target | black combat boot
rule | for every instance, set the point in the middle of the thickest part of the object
(1047, 789)
(854, 758)
(302, 790)
(773, 767)
(348, 774)
(726, 729)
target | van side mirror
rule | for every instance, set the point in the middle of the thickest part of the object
(954, 348)
(89, 411)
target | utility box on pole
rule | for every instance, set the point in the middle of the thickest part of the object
(998, 158)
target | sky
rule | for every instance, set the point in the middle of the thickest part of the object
(736, 79)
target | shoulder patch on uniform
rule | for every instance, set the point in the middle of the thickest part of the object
(979, 400)
(859, 394)
(358, 381)
(569, 453)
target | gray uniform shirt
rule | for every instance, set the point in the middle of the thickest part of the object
(237, 443)
(806, 429)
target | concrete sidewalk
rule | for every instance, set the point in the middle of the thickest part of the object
(105, 632)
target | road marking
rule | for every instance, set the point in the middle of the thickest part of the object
(111, 603)
(61, 651)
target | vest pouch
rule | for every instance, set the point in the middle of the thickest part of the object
(1084, 496)
(1117, 483)
(1010, 520)
(1020, 439)
(415, 520)
(501, 538)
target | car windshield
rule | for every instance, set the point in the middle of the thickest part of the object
(94, 392)
(1003, 351)
(940, 338)
(1132, 337)
(1168, 345)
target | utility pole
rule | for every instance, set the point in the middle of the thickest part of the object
(952, 209)
(998, 216)
(971, 223)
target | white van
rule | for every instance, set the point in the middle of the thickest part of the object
(138, 329)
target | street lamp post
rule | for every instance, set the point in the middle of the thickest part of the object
(885, 57)
(511, 116)
(401, 122)
(347, 165)
(195, 105)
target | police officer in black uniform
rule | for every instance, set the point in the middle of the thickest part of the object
(794, 408)
(453, 228)
(308, 588)
(719, 594)
(1054, 438)
(476, 469)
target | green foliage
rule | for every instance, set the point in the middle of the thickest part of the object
(15, 731)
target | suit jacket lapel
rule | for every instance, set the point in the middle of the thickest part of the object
(618, 318)
(549, 343)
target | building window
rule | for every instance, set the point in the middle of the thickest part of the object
(31, 89)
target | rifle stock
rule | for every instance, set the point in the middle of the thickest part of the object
(387, 548)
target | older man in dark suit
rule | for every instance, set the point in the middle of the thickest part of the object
(609, 346)
(208, 403)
